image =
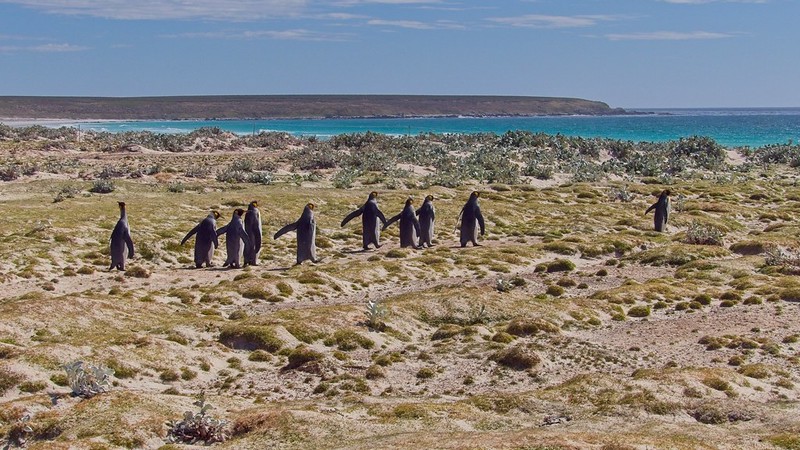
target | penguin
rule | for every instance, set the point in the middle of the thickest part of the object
(235, 238)
(121, 242)
(427, 215)
(662, 210)
(409, 225)
(370, 230)
(252, 225)
(306, 227)
(206, 240)
(471, 218)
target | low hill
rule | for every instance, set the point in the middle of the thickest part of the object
(293, 106)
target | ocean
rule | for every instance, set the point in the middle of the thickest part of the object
(753, 127)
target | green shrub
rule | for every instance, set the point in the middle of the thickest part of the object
(259, 356)
(302, 355)
(347, 339)
(447, 331)
(426, 373)
(560, 265)
(250, 337)
(528, 326)
(555, 290)
(639, 311)
(517, 357)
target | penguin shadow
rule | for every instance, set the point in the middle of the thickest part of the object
(279, 269)
(359, 251)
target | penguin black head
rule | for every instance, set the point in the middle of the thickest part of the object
(429, 198)
(239, 211)
(372, 195)
(121, 205)
(310, 206)
(216, 214)
(666, 192)
(475, 194)
(254, 204)
(409, 201)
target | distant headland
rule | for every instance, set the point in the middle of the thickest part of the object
(294, 107)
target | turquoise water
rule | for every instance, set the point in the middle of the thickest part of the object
(729, 127)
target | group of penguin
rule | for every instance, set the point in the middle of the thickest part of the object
(244, 231)
(243, 236)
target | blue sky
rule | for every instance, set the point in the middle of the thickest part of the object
(628, 53)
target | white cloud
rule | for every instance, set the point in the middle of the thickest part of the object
(284, 35)
(668, 36)
(416, 25)
(43, 48)
(545, 21)
(169, 9)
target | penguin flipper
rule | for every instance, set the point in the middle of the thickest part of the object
(479, 216)
(652, 207)
(381, 216)
(417, 227)
(352, 215)
(285, 229)
(222, 230)
(390, 221)
(190, 234)
(129, 243)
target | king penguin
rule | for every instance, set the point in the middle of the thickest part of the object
(409, 225)
(662, 210)
(370, 214)
(252, 225)
(471, 218)
(427, 215)
(236, 240)
(306, 227)
(206, 240)
(121, 242)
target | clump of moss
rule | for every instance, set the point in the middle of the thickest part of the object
(703, 299)
(555, 290)
(560, 265)
(302, 355)
(639, 311)
(137, 272)
(502, 337)
(518, 357)
(447, 331)
(347, 339)
(284, 288)
(757, 371)
(375, 372)
(121, 370)
(790, 295)
(753, 300)
(8, 379)
(396, 253)
(528, 326)
(259, 356)
(250, 337)
(304, 333)
(748, 248)
(426, 373)
(255, 293)
(566, 282)
(409, 411)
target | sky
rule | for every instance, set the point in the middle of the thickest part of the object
(627, 53)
